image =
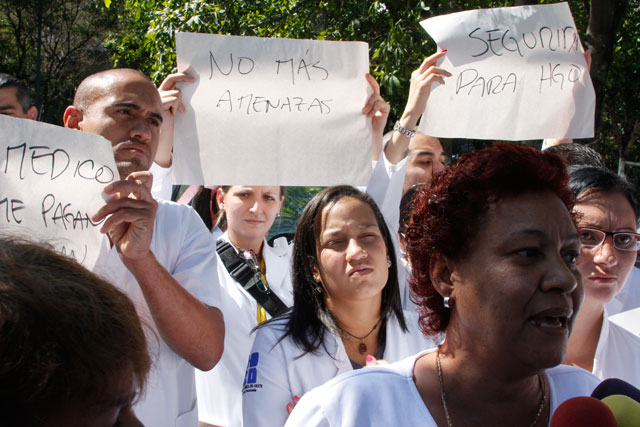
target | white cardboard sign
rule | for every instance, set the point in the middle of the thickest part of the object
(272, 112)
(519, 73)
(51, 182)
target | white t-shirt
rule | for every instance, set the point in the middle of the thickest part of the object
(278, 370)
(388, 396)
(162, 182)
(184, 247)
(629, 296)
(617, 354)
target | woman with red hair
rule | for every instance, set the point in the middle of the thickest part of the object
(493, 250)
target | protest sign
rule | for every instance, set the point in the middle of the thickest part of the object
(518, 73)
(51, 182)
(272, 112)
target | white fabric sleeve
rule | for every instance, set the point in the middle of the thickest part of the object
(266, 392)
(162, 182)
(308, 413)
(385, 188)
(196, 266)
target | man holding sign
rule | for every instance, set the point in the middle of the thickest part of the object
(160, 254)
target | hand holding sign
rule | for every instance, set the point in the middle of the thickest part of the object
(51, 181)
(519, 73)
(129, 216)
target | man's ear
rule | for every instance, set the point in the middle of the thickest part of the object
(72, 117)
(32, 113)
(441, 273)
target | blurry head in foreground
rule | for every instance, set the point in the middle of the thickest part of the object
(72, 349)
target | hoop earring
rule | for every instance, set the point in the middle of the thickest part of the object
(448, 302)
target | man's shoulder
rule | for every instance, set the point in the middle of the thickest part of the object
(171, 215)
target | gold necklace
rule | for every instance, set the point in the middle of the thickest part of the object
(362, 347)
(443, 395)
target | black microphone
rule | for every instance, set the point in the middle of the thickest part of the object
(614, 386)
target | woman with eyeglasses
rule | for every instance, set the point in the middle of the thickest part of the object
(607, 211)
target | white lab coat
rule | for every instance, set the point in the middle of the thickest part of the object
(617, 354)
(388, 396)
(279, 371)
(220, 390)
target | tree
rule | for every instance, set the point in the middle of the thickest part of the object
(71, 34)
(610, 28)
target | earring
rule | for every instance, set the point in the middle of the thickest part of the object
(389, 263)
(316, 278)
(448, 302)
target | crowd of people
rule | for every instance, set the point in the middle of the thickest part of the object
(480, 293)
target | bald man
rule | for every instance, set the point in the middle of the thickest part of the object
(159, 253)
(14, 99)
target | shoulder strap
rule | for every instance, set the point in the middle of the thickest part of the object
(248, 279)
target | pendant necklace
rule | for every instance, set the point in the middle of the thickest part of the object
(362, 347)
(443, 395)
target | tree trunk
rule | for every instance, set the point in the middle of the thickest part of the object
(605, 19)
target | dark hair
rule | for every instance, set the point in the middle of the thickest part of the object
(221, 221)
(446, 215)
(405, 206)
(65, 334)
(574, 154)
(584, 180)
(204, 203)
(310, 318)
(22, 92)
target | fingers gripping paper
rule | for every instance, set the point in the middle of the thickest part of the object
(518, 73)
(51, 182)
(272, 112)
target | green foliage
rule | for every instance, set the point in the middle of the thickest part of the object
(397, 43)
(294, 202)
(71, 46)
(622, 106)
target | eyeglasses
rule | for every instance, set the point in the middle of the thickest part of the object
(624, 240)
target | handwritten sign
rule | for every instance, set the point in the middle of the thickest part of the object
(51, 182)
(272, 112)
(518, 73)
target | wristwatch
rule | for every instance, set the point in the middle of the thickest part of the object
(403, 130)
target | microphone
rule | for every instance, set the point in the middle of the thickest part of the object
(625, 409)
(583, 411)
(613, 386)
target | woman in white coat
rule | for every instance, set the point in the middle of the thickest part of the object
(248, 212)
(246, 215)
(607, 209)
(347, 310)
